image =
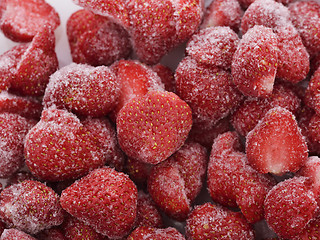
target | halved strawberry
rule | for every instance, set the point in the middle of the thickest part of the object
(149, 233)
(83, 89)
(175, 183)
(213, 46)
(59, 147)
(30, 206)
(289, 207)
(209, 221)
(38, 62)
(223, 13)
(12, 233)
(254, 63)
(98, 41)
(276, 144)
(105, 199)
(21, 20)
(152, 127)
(209, 91)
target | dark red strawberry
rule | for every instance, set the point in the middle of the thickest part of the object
(13, 234)
(105, 199)
(30, 206)
(174, 184)
(98, 41)
(135, 80)
(254, 63)
(149, 233)
(209, 221)
(19, 177)
(83, 89)
(38, 62)
(213, 46)
(166, 75)
(59, 147)
(223, 13)
(13, 131)
(138, 171)
(118, 12)
(276, 144)
(54, 233)
(312, 97)
(289, 206)
(21, 20)
(210, 92)
(25, 107)
(152, 127)
(305, 17)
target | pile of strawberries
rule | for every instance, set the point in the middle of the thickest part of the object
(117, 145)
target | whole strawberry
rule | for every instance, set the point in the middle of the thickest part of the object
(150, 233)
(105, 199)
(15, 234)
(30, 206)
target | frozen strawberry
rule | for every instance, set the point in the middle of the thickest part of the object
(117, 12)
(233, 182)
(2, 226)
(24, 106)
(105, 199)
(223, 13)
(149, 233)
(135, 79)
(138, 171)
(175, 183)
(209, 221)
(59, 147)
(98, 41)
(147, 213)
(305, 17)
(166, 75)
(289, 206)
(13, 131)
(75, 229)
(105, 133)
(210, 92)
(312, 97)
(37, 63)
(248, 114)
(19, 177)
(53, 233)
(15, 234)
(30, 206)
(83, 89)
(311, 231)
(21, 20)
(156, 28)
(254, 63)
(213, 46)
(152, 127)
(276, 144)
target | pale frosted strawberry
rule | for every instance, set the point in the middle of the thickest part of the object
(15, 234)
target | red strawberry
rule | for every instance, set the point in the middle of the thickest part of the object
(105, 199)
(117, 12)
(15, 234)
(152, 127)
(51, 234)
(13, 131)
(37, 63)
(150, 233)
(25, 107)
(254, 63)
(232, 182)
(83, 89)
(147, 213)
(305, 17)
(247, 116)
(135, 79)
(223, 13)
(289, 206)
(276, 144)
(175, 183)
(138, 171)
(75, 229)
(210, 92)
(313, 129)
(30, 206)
(59, 147)
(213, 46)
(311, 231)
(19, 177)
(98, 41)
(21, 20)
(166, 75)
(312, 97)
(209, 221)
